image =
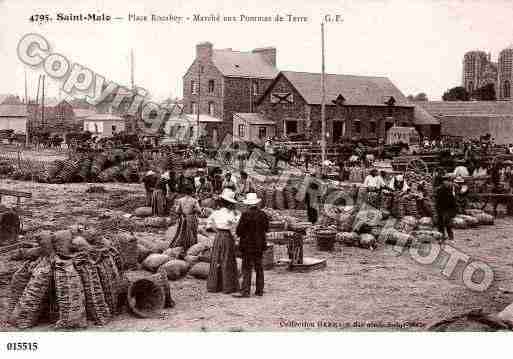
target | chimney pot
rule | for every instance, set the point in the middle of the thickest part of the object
(204, 50)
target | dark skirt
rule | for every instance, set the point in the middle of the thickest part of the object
(223, 275)
(187, 232)
(312, 214)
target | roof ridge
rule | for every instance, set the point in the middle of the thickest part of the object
(331, 74)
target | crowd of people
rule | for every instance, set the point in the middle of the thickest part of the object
(236, 230)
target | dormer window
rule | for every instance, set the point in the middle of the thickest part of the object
(340, 100)
(390, 101)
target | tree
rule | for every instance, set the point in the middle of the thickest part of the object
(457, 93)
(485, 93)
(421, 96)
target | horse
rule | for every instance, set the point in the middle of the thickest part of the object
(287, 155)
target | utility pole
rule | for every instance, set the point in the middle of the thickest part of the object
(27, 110)
(132, 69)
(323, 104)
(43, 101)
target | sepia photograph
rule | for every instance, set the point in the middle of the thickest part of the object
(277, 166)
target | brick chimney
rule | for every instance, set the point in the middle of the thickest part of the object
(268, 53)
(204, 50)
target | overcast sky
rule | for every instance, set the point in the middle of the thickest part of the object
(418, 44)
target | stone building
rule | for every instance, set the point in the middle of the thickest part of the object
(505, 76)
(221, 82)
(363, 107)
(478, 70)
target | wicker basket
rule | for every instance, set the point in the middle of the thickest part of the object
(277, 226)
(290, 197)
(325, 239)
(126, 244)
(145, 298)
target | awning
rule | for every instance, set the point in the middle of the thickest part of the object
(256, 119)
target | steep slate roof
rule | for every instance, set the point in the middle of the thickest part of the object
(253, 118)
(13, 111)
(243, 64)
(356, 90)
(468, 108)
(422, 117)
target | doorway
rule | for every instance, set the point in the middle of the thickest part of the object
(339, 130)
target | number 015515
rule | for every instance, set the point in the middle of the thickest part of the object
(22, 346)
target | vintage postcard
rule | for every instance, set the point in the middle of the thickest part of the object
(276, 166)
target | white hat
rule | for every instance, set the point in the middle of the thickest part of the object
(149, 173)
(228, 195)
(400, 177)
(251, 199)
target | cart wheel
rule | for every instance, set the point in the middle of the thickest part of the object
(417, 166)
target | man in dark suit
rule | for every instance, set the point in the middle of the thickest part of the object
(252, 227)
(446, 207)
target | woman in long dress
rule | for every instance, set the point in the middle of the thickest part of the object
(187, 208)
(223, 274)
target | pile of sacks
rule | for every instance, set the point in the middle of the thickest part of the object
(70, 280)
(410, 232)
(154, 255)
(365, 227)
(472, 218)
(360, 228)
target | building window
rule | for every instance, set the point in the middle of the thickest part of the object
(211, 109)
(255, 88)
(262, 132)
(241, 131)
(96, 129)
(372, 127)
(507, 89)
(194, 87)
(290, 127)
(357, 127)
(211, 86)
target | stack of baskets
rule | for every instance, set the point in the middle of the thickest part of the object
(269, 197)
(290, 197)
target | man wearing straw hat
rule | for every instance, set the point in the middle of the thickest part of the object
(252, 227)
